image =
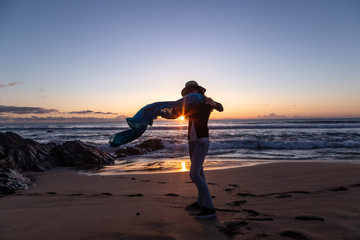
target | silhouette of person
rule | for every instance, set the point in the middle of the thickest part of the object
(198, 140)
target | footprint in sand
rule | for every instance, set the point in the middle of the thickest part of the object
(310, 218)
(51, 193)
(284, 195)
(172, 195)
(235, 225)
(232, 228)
(233, 185)
(229, 189)
(236, 203)
(261, 219)
(106, 194)
(294, 234)
(338, 189)
(250, 212)
(162, 182)
(246, 195)
(145, 181)
(134, 195)
(74, 194)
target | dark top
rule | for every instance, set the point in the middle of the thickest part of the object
(199, 117)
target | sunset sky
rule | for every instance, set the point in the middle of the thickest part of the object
(106, 59)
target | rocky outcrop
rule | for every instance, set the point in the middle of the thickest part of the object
(143, 148)
(11, 181)
(18, 154)
(24, 154)
(77, 154)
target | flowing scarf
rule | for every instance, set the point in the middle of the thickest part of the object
(145, 116)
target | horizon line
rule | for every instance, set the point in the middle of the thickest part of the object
(114, 120)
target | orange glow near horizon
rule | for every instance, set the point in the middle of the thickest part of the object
(183, 167)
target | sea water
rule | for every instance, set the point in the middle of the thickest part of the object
(233, 142)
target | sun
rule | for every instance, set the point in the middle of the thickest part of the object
(183, 167)
(182, 118)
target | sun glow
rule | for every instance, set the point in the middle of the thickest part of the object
(182, 118)
(183, 167)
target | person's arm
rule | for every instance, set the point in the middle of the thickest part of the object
(169, 113)
(214, 104)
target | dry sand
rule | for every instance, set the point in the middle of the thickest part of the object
(270, 201)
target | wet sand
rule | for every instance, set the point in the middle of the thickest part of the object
(269, 201)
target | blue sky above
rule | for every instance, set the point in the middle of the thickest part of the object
(256, 57)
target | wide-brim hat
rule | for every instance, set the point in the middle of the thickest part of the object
(192, 84)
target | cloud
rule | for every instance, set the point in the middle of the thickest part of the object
(38, 110)
(25, 110)
(91, 112)
(81, 112)
(35, 119)
(108, 113)
(9, 84)
(272, 116)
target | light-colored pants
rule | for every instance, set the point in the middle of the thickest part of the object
(198, 150)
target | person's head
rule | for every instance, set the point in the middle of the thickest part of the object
(192, 87)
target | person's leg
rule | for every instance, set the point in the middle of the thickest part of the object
(198, 151)
(192, 146)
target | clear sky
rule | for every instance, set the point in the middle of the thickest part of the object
(104, 58)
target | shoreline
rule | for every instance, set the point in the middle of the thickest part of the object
(183, 165)
(303, 200)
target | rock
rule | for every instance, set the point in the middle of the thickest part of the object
(151, 145)
(78, 154)
(24, 154)
(18, 154)
(2, 151)
(129, 151)
(29, 155)
(11, 181)
(10, 140)
(142, 148)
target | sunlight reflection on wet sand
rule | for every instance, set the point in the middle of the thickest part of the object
(144, 166)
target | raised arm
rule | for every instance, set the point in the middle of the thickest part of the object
(170, 113)
(214, 104)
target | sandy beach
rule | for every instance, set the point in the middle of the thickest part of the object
(269, 201)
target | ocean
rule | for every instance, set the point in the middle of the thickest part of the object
(233, 142)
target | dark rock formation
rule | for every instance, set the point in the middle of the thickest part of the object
(80, 155)
(29, 155)
(143, 148)
(18, 154)
(11, 181)
(24, 154)
(151, 145)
